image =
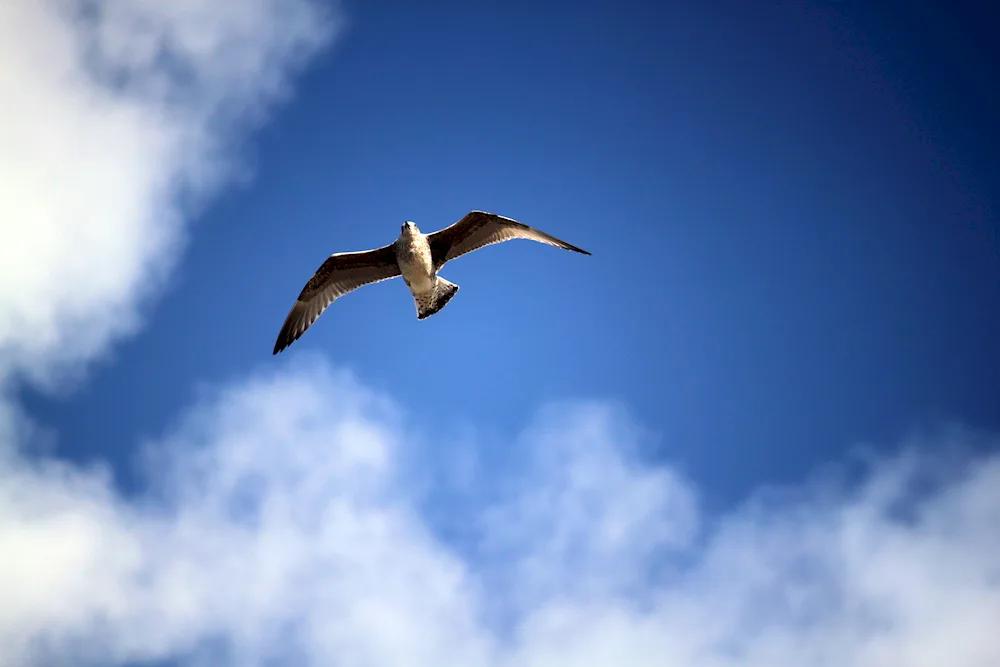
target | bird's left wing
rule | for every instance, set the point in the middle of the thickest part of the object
(478, 229)
(339, 274)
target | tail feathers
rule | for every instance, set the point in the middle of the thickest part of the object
(433, 301)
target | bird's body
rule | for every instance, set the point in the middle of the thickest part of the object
(416, 264)
(415, 256)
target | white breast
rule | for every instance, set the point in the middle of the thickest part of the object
(414, 256)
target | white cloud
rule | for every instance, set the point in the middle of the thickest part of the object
(115, 112)
(276, 523)
(282, 522)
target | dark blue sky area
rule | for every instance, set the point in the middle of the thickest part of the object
(792, 210)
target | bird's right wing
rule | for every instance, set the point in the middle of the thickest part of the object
(339, 274)
(478, 229)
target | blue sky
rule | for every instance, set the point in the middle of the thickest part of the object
(773, 385)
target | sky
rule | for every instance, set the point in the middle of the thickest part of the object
(760, 425)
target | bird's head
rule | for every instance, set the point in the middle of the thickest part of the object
(410, 228)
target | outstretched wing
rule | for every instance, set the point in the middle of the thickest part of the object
(478, 229)
(340, 274)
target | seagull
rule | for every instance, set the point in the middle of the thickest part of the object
(416, 257)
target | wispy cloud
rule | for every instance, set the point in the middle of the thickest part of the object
(281, 522)
(119, 117)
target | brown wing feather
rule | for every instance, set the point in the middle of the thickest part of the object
(478, 229)
(338, 275)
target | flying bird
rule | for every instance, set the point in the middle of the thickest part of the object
(416, 257)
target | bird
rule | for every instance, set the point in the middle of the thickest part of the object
(415, 256)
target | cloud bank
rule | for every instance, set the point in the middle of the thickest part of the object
(120, 118)
(281, 526)
(285, 518)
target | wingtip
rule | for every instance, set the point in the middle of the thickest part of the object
(281, 344)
